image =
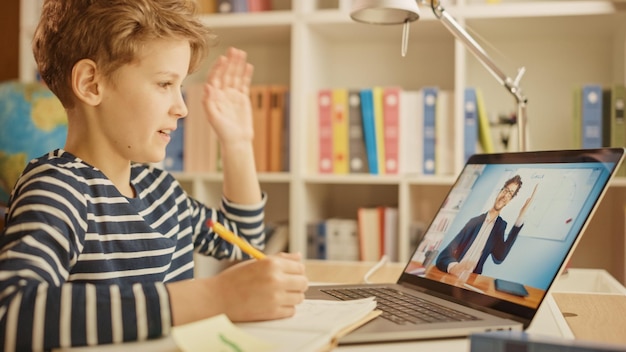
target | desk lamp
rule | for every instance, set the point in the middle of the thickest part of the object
(406, 11)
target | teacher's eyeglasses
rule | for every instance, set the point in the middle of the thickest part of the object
(508, 192)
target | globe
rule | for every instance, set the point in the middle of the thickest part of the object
(32, 123)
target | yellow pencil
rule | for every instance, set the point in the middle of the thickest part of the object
(237, 241)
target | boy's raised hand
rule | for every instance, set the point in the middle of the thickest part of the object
(227, 97)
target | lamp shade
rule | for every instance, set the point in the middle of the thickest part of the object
(384, 11)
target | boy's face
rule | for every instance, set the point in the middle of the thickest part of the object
(143, 101)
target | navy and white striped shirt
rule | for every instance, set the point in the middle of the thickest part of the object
(82, 264)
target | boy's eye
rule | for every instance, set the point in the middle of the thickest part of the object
(165, 84)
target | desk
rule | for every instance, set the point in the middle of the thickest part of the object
(340, 272)
(589, 300)
(575, 289)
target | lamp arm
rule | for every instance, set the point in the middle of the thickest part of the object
(511, 85)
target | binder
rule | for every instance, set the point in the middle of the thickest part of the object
(410, 138)
(430, 107)
(379, 130)
(276, 128)
(340, 130)
(470, 123)
(369, 129)
(391, 129)
(484, 129)
(325, 157)
(356, 144)
(260, 100)
(444, 133)
(591, 116)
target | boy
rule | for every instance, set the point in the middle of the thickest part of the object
(99, 249)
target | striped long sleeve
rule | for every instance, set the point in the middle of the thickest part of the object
(80, 264)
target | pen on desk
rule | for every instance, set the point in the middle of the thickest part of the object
(237, 241)
(473, 288)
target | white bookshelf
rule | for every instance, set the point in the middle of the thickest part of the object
(311, 45)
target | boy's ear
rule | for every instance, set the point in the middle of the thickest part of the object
(86, 82)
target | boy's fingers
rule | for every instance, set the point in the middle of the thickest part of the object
(216, 74)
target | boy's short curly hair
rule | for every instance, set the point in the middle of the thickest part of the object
(110, 32)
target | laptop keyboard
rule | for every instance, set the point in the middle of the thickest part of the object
(400, 307)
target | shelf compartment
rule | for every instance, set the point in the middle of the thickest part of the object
(343, 200)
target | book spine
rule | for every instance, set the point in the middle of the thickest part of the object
(484, 129)
(615, 124)
(368, 224)
(591, 115)
(390, 233)
(341, 239)
(325, 131)
(207, 6)
(349, 240)
(577, 118)
(322, 238)
(259, 5)
(254, 5)
(276, 238)
(391, 112)
(430, 106)
(225, 6)
(174, 152)
(340, 130)
(260, 100)
(240, 5)
(311, 236)
(200, 141)
(276, 128)
(606, 118)
(444, 130)
(356, 144)
(286, 145)
(470, 123)
(379, 128)
(410, 140)
(369, 129)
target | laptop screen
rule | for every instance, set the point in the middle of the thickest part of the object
(508, 225)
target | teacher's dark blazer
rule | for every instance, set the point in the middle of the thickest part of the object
(496, 244)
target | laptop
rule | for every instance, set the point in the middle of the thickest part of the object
(503, 234)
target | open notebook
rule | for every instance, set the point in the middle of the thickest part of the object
(504, 232)
(315, 326)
